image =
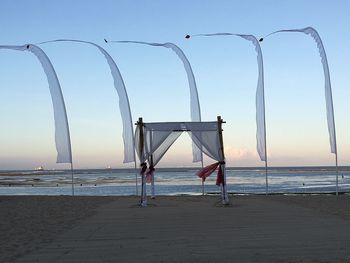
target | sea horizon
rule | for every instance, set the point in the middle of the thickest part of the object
(175, 181)
(174, 168)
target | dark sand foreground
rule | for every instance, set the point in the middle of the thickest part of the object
(175, 229)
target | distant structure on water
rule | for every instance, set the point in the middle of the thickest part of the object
(40, 168)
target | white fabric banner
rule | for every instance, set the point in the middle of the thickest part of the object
(328, 89)
(194, 99)
(124, 105)
(259, 101)
(62, 136)
(260, 93)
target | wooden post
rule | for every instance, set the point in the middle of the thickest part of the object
(220, 122)
(143, 202)
(336, 176)
(202, 168)
(151, 167)
(221, 141)
(141, 142)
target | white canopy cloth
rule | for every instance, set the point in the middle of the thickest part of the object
(62, 136)
(124, 105)
(194, 99)
(158, 137)
(152, 140)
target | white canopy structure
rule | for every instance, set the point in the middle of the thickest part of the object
(152, 140)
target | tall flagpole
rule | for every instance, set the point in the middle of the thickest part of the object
(328, 91)
(202, 180)
(123, 96)
(336, 177)
(266, 179)
(265, 144)
(136, 183)
(72, 172)
(260, 89)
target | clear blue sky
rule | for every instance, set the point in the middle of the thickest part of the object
(225, 70)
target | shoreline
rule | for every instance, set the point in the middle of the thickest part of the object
(9, 172)
(218, 193)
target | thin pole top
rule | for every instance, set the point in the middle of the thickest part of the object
(220, 122)
(139, 122)
(220, 119)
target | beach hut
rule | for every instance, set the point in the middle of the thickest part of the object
(153, 140)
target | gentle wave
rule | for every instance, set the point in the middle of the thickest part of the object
(173, 181)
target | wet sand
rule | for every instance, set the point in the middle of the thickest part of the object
(310, 228)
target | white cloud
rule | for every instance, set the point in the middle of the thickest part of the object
(232, 153)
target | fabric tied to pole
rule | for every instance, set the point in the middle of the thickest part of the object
(143, 169)
(220, 177)
(208, 170)
(149, 174)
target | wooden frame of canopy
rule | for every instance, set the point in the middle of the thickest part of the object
(152, 140)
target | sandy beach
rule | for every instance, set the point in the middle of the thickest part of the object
(310, 228)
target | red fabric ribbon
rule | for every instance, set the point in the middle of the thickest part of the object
(220, 177)
(208, 170)
(149, 174)
(143, 169)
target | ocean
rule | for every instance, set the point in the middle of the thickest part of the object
(174, 181)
